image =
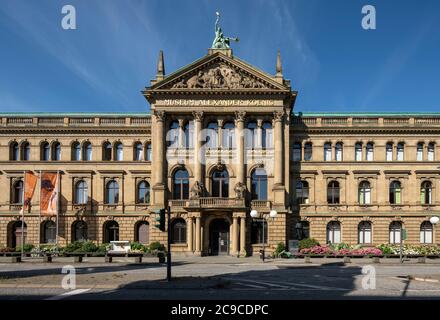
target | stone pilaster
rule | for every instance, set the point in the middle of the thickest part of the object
(198, 151)
(239, 134)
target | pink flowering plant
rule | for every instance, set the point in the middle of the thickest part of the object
(341, 250)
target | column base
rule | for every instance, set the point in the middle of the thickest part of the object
(243, 254)
(198, 253)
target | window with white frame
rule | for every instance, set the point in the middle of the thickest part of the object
(431, 150)
(296, 151)
(358, 151)
(369, 155)
(308, 151)
(364, 232)
(339, 151)
(426, 232)
(334, 232)
(420, 151)
(364, 193)
(389, 151)
(395, 232)
(400, 151)
(328, 151)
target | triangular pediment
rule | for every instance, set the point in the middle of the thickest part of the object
(219, 72)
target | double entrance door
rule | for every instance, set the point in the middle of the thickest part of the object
(219, 237)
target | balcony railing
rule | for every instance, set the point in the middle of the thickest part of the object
(260, 204)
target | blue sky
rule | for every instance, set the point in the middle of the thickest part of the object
(335, 65)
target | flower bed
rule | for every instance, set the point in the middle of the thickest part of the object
(335, 251)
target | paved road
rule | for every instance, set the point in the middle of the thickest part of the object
(223, 278)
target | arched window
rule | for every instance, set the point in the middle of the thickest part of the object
(369, 154)
(138, 152)
(81, 192)
(267, 135)
(106, 151)
(339, 149)
(334, 232)
(308, 151)
(333, 192)
(16, 232)
(212, 135)
(76, 151)
(251, 135)
(143, 233)
(395, 232)
(79, 231)
(112, 192)
(420, 151)
(25, 151)
(228, 136)
(119, 151)
(56, 151)
(327, 151)
(358, 151)
(258, 235)
(87, 151)
(426, 232)
(302, 230)
(14, 151)
(364, 232)
(426, 192)
(111, 231)
(259, 184)
(49, 232)
(143, 194)
(178, 228)
(400, 151)
(45, 151)
(389, 151)
(431, 151)
(173, 135)
(181, 185)
(296, 151)
(302, 192)
(17, 192)
(188, 131)
(220, 184)
(364, 193)
(395, 192)
(148, 153)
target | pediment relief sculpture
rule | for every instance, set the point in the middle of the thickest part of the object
(219, 76)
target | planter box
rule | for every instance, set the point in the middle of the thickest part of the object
(15, 259)
(47, 259)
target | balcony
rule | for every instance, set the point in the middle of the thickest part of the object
(208, 203)
(262, 205)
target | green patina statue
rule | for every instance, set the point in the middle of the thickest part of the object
(220, 41)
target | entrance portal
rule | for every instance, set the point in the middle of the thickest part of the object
(219, 237)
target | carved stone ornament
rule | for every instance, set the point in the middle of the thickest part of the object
(198, 115)
(160, 115)
(240, 115)
(219, 166)
(278, 116)
(240, 190)
(197, 190)
(219, 76)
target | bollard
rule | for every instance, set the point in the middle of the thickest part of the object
(307, 259)
(421, 259)
(108, 259)
(138, 259)
(15, 259)
(77, 259)
(347, 260)
(47, 259)
(376, 260)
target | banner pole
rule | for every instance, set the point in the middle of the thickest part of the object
(39, 211)
(22, 214)
(58, 206)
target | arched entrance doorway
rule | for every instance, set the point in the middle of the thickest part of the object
(15, 233)
(219, 237)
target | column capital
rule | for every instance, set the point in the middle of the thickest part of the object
(240, 116)
(278, 116)
(198, 115)
(160, 115)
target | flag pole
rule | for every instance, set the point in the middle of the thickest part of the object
(39, 211)
(58, 206)
(22, 214)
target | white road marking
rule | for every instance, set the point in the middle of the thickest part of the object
(68, 294)
(250, 285)
(294, 285)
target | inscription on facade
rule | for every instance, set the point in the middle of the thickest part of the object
(223, 103)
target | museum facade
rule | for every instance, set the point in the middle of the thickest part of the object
(222, 140)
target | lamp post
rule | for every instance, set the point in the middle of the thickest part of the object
(254, 215)
(434, 220)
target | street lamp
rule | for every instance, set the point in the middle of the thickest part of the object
(434, 220)
(254, 215)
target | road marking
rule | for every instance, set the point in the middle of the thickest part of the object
(291, 285)
(68, 294)
(250, 285)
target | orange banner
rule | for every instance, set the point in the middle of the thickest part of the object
(49, 193)
(30, 183)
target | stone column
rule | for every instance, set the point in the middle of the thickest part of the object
(181, 135)
(239, 136)
(243, 236)
(198, 250)
(159, 160)
(234, 236)
(198, 156)
(279, 159)
(259, 133)
(190, 234)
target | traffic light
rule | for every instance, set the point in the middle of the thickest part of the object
(160, 218)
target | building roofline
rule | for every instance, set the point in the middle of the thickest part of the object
(74, 114)
(367, 114)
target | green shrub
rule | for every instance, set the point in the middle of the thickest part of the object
(307, 243)
(281, 247)
(26, 248)
(7, 249)
(73, 247)
(157, 246)
(88, 246)
(102, 248)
